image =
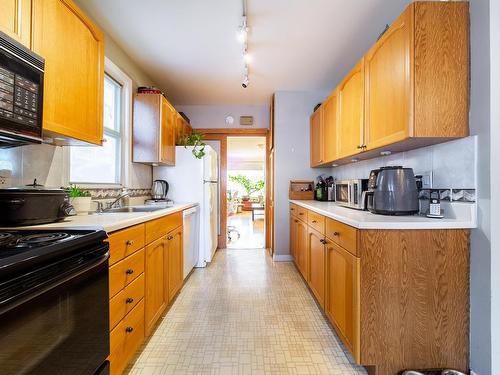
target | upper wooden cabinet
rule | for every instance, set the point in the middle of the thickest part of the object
(182, 129)
(73, 48)
(351, 116)
(154, 130)
(317, 137)
(388, 77)
(15, 20)
(410, 90)
(330, 123)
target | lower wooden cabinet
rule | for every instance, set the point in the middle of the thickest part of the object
(126, 338)
(342, 295)
(316, 266)
(397, 299)
(156, 281)
(175, 262)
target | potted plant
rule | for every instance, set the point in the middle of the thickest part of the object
(79, 199)
(195, 139)
(249, 186)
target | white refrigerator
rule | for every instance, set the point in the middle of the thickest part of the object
(196, 180)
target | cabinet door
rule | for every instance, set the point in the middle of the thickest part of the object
(317, 265)
(316, 137)
(167, 133)
(301, 249)
(175, 262)
(351, 116)
(293, 238)
(329, 139)
(15, 20)
(73, 48)
(388, 77)
(342, 302)
(156, 281)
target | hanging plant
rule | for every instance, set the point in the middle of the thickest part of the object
(195, 139)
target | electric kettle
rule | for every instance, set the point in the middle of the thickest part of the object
(159, 190)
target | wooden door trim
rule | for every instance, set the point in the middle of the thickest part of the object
(220, 134)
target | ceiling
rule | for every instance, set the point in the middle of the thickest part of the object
(246, 153)
(189, 47)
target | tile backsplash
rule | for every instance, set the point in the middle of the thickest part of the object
(450, 165)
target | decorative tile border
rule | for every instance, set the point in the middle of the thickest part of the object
(114, 193)
(452, 195)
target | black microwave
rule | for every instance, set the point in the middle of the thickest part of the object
(21, 94)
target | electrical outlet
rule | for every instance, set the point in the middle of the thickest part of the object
(4, 182)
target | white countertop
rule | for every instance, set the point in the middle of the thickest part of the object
(110, 222)
(458, 215)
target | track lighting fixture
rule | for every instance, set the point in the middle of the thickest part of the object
(243, 38)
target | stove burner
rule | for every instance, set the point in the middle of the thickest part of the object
(42, 238)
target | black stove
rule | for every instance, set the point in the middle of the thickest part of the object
(54, 301)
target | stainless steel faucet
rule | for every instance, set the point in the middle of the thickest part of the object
(123, 194)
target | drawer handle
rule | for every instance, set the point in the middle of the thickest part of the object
(129, 329)
(323, 241)
(296, 221)
(130, 271)
(170, 238)
(292, 209)
(129, 242)
(336, 233)
(314, 221)
(301, 213)
(129, 300)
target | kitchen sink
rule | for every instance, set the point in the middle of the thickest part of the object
(131, 209)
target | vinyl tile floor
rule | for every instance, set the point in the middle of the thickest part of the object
(244, 314)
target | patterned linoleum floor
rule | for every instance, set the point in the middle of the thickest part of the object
(244, 314)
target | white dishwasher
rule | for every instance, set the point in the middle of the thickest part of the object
(191, 230)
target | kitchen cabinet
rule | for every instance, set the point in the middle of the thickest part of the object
(330, 123)
(379, 290)
(182, 129)
(73, 48)
(410, 90)
(154, 130)
(293, 237)
(15, 20)
(175, 262)
(317, 137)
(342, 295)
(302, 250)
(156, 281)
(316, 265)
(351, 112)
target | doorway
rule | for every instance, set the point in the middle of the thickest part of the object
(245, 193)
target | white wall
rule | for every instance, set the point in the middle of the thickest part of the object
(291, 143)
(212, 116)
(495, 184)
(480, 282)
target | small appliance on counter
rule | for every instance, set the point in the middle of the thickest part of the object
(324, 189)
(392, 191)
(33, 204)
(159, 192)
(351, 193)
(301, 190)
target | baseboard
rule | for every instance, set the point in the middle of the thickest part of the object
(282, 258)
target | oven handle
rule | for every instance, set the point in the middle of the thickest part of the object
(38, 290)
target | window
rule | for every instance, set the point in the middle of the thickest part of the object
(104, 165)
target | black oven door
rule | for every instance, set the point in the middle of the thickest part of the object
(55, 320)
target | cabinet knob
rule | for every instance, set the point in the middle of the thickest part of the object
(336, 233)
(296, 221)
(129, 271)
(170, 238)
(301, 213)
(360, 147)
(292, 209)
(129, 300)
(314, 221)
(129, 329)
(129, 242)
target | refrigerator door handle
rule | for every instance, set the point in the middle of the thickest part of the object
(210, 182)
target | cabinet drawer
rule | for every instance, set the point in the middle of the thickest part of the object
(160, 227)
(316, 221)
(125, 271)
(125, 242)
(343, 235)
(126, 338)
(301, 213)
(293, 209)
(121, 304)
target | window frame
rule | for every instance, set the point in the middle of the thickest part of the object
(115, 73)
